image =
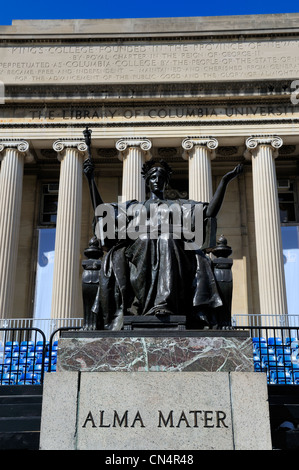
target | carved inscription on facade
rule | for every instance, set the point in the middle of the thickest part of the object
(140, 63)
(155, 113)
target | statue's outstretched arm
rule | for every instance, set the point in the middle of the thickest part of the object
(216, 201)
(88, 170)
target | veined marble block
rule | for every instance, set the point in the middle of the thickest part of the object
(196, 351)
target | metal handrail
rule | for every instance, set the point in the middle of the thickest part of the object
(54, 333)
(20, 335)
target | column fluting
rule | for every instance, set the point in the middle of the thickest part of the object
(133, 153)
(68, 230)
(199, 152)
(13, 156)
(272, 292)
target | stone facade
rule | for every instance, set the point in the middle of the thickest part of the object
(229, 80)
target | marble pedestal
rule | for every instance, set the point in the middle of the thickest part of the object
(183, 390)
(133, 351)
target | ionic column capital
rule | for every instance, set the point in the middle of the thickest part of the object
(254, 142)
(21, 146)
(60, 146)
(123, 146)
(190, 143)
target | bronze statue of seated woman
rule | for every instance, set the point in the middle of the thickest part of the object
(156, 265)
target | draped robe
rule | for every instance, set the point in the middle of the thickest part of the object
(156, 274)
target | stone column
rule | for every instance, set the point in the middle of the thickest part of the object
(68, 230)
(272, 292)
(12, 154)
(199, 151)
(133, 152)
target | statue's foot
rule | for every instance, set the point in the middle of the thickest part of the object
(203, 322)
(89, 327)
(200, 321)
(225, 327)
(117, 323)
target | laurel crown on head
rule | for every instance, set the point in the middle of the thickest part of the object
(151, 166)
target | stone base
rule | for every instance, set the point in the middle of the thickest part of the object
(121, 391)
(203, 350)
(160, 411)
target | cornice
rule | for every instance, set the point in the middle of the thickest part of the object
(82, 123)
(152, 28)
(154, 38)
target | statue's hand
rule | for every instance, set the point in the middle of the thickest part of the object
(88, 169)
(234, 173)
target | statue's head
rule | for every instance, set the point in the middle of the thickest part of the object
(159, 169)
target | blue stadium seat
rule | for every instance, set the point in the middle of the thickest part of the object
(281, 350)
(15, 356)
(280, 377)
(259, 341)
(35, 368)
(28, 379)
(286, 360)
(259, 366)
(24, 363)
(269, 360)
(15, 372)
(255, 339)
(26, 349)
(296, 377)
(31, 356)
(11, 344)
(26, 346)
(274, 341)
(39, 360)
(256, 356)
(53, 354)
(292, 339)
(7, 379)
(11, 354)
(267, 350)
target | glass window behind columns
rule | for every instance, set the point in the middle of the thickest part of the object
(288, 206)
(45, 256)
(290, 243)
(287, 200)
(49, 202)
